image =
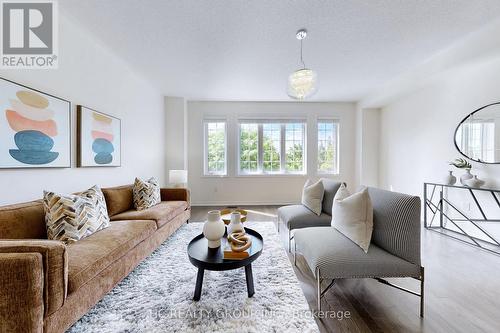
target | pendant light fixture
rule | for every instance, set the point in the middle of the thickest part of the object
(303, 82)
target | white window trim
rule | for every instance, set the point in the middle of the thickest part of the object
(206, 173)
(260, 165)
(337, 157)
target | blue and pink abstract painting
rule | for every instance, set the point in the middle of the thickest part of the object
(99, 138)
(35, 128)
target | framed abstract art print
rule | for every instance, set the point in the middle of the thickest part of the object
(35, 128)
(98, 138)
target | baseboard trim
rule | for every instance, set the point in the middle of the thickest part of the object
(241, 204)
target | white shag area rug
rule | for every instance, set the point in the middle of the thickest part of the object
(157, 295)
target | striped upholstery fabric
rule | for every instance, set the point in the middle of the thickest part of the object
(338, 257)
(331, 188)
(146, 193)
(396, 223)
(298, 216)
(394, 250)
(70, 218)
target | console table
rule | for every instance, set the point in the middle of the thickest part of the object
(439, 213)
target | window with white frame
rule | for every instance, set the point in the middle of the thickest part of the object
(328, 152)
(271, 147)
(294, 147)
(249, 148)
(215, 147)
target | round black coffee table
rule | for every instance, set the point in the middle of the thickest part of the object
(213, 259)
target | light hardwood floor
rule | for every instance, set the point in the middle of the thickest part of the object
(462, 291)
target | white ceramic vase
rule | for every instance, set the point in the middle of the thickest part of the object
(474, 182)
(235, 225)
(214, 229)
(450, 179)
(465, 176)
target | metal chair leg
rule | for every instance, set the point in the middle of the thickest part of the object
(295, 254)
(289, 241)
(422, 279)
(318, 283)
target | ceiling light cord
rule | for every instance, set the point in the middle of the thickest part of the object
(301, 59)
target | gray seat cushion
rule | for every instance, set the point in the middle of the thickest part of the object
(338, 257)
(331, 188)
(298, 216)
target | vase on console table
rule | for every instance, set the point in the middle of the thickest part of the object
(214, 229)
(450, 179)
(474, 182)
(235, 224)
(467, 175)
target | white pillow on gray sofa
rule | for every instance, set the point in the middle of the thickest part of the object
(312, 196)
(352, 215)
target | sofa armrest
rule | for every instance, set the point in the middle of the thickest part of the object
(55, 268)
(21, 292)
(176, 194)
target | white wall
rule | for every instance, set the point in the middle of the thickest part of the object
(91, 75)
(278, 189)
(367, 146)
(417, 127)
(176, 133)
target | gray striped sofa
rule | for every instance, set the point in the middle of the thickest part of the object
(298, 216)
(394, 250)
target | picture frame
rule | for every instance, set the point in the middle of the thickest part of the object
(98, 138)
(35, 129)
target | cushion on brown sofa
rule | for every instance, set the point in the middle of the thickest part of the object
(118, 199)
(161, 213)
(21, 301)
(146, 194)
(25, 220)
(72, 217)
(88, 257)
(55, 263)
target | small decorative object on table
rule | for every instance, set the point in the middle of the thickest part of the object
(226, 214)
(450, 179)
(474, 182)
(214, 229)
(461, 163)
(235, 224)
(237, 247)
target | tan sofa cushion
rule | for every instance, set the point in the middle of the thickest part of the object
(21, 292)
(25, 220)
(89, 256)
(118, 199)
(161, 213)
(55, 267)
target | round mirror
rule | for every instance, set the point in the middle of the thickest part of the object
(477, 137)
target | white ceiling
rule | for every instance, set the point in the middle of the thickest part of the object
(244, 50)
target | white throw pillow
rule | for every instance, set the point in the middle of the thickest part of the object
(312, 196)
(352, 215)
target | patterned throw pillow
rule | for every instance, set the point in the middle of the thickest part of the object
(70, 218)
(146, 193)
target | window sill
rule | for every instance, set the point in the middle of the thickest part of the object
(266, 175)
(215, 176)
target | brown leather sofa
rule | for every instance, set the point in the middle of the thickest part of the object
(46, 286)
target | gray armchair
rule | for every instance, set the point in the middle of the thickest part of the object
(298, 216)
(394, 250)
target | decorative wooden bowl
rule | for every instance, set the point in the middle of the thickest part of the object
(226, 214)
